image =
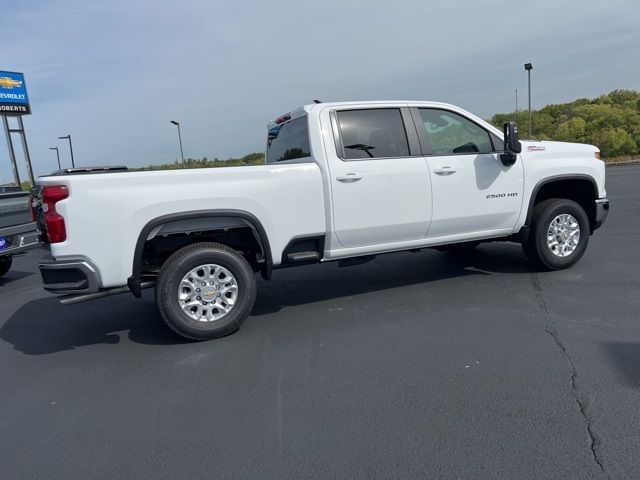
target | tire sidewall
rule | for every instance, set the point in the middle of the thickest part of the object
(169, 283)
(5, 264)
(546, 255)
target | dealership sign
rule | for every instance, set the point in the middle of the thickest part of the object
(13, 94)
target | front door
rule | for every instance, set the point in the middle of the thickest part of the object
(473, 192)
(379, 180)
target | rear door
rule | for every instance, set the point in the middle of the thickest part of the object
(379, 180)
(473, 192)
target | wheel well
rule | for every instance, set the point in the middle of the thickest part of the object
(581, 191)
(159, 248)
(161, 237)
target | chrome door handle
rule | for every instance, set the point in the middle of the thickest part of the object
(444, 171)
(349, 177)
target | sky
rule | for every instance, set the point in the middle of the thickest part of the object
(113, 74)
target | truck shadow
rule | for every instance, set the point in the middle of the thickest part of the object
(44, 326)
(625, 357)
(14, 275)
(299, 286)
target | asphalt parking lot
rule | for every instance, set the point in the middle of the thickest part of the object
(415, 365)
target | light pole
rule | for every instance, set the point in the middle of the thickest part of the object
(68, 137)
(528, 67)
(177, 124)
(57, 154)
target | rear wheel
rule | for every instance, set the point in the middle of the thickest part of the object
(205, 291)
(5, 265)
(559, 234)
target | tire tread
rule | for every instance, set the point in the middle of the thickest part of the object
(532, 247)
(176, 257)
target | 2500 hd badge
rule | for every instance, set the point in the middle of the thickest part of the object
(502, 195)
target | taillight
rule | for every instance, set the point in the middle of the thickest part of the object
(56, 229)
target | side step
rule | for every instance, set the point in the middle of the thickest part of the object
(299, 257)
(74, 298)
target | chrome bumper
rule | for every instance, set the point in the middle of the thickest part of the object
(21, 238)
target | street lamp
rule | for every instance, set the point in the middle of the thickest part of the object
(528, 67)
(58, 155)
(177, 124)
(68, 137)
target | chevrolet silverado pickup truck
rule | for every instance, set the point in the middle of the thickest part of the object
(18, 231)
(341, 182)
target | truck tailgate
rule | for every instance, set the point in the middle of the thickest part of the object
(14, 209)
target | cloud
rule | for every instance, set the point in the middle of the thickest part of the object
(114, 73)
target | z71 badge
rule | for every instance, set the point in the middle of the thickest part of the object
(536, 148)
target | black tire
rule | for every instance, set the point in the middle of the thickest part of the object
(187, 259)
(458, 248)
(5, 265)
(536, 247)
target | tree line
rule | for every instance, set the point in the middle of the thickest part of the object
(611, 122)
(249, 159)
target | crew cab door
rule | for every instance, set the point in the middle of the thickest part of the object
(473, 192)
(380, 185)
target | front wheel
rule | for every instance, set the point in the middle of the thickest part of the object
(5, 265)
(559, 234)
(205, 291)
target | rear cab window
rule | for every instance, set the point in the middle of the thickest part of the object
(288, 141)
(372, 133)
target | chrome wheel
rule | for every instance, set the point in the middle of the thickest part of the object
(563, 235)
(207, 293)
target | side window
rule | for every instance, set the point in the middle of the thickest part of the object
(288, 141)
(498, 145)
(453, 134)
(375, 133)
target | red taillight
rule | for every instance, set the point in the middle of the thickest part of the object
(56, 229)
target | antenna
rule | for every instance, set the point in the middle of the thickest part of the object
(316, 101)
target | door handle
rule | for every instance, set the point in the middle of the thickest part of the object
(350, 177)
(444, 171)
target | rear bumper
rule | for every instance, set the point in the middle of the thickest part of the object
(602, 210)
(72, 275)
(21, 238)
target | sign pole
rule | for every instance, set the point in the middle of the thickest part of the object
(12, 153)
(25, 149)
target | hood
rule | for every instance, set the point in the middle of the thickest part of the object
(534, 146)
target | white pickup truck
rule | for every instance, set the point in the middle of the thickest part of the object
(342, 182)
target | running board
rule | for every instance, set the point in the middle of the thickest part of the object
(107, 292)
(350, 262)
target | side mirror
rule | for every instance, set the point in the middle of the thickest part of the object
(511, 144)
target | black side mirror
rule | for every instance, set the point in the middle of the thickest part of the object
(512, 147)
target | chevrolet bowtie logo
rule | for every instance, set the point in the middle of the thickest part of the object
(6, 82)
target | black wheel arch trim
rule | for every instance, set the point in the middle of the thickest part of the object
(134, 281)
(524, 231)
